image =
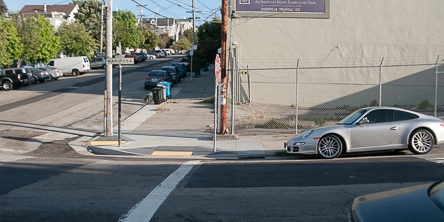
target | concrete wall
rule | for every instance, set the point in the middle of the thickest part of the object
(357, 33)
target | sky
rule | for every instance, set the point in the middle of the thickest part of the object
(165, 8)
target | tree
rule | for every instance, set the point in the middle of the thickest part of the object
(125, 29)
(165, 41)
(3, 8)
(14, 46)
(147, 38)
(26, 28)
(182, 44)
(76, 40)
(49, 44)
(209, 42)
(189, 35)
(89, 14)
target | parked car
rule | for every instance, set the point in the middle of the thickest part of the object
(151, 57)
(13, 78)
(164, 52)
(186, 61)
(161, 53)
(173, 72)
(99, 62)
(40, 75)
(54, 73)
(143, 56)
(168, 52)
(136, 58)
(417, 203)
(371, 129)
(157, 54)
(182, 69)
(71, 65)
(156, 76)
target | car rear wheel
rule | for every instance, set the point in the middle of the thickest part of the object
(329, 147)
(6, 85)
(75, 72)
(51, 78)
(421, 142)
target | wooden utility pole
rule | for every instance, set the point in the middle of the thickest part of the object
(223, 66)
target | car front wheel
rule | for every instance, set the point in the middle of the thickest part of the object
(421, 142)
(329, 147)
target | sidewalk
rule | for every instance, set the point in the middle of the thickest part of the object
(182, 127)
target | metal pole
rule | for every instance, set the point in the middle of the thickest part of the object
(297, 97)
(249, 86)
(109, 69)
(105, 112)
(380, 82)
(233, 71)
(436, 86)
(101, 31)
(215, 113)
(120, 103)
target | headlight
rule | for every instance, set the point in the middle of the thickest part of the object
(306, 134)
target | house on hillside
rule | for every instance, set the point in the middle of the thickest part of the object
(56, 14)
(173, 27)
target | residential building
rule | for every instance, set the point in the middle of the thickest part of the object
(56, 14)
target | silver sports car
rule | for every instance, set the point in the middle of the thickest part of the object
(371, 129)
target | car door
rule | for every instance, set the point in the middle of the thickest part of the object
(380, 131)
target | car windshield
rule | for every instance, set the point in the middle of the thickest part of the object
(352, 117)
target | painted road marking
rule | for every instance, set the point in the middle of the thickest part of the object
(145, 209)
(171, 153)
(106, 143)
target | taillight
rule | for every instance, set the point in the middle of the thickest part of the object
(442, 124)
(162, 79)
(147, 79)
(19, 77)
(42, 74)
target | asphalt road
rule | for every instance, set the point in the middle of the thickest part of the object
(42, 179)
(88, 189)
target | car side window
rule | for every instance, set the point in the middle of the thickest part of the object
(380, 116)
(51, 63)
(401, 115)
(9, 71)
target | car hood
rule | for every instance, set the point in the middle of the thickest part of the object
(406, 204)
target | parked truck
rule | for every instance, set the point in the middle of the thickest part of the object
(71, 65)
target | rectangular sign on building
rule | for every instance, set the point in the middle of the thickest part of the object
(281, 8)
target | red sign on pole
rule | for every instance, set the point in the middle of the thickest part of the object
(217, 66)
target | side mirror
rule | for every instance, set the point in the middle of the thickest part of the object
(364, 121)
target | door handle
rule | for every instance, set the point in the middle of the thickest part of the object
(394, 128)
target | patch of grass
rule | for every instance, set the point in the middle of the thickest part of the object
(208, 100)
(274, 123)
(161, 109)
(424, 105)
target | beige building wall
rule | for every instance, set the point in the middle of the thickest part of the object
(357, 33)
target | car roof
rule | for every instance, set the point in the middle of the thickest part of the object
(169, 67)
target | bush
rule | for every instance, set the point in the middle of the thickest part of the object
(425, 104)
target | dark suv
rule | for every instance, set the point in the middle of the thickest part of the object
(14, 78)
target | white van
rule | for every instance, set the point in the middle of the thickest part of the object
(71, 65)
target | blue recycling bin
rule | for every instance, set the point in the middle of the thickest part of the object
(168, 88)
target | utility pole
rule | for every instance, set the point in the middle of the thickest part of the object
(223, 66)
(109, 71)
(101, 31)
(141, 15)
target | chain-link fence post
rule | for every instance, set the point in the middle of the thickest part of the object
(380, 82)
(297, 98)
(436, 86)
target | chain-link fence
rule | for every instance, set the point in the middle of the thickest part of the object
(289, 99)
